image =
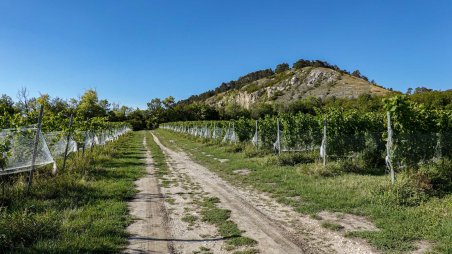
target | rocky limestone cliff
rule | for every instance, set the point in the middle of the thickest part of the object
(297, 84)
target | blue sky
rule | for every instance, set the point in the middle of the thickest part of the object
(132, 51)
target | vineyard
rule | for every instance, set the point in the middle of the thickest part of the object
(25, 145)
(406, 136)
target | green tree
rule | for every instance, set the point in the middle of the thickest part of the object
(422, 90)
(356, 73)
(137, 119)
(6, 105)
(89, 105)
(282, 67)
(301, 64)
(168, 102)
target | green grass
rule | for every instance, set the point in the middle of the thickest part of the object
(400, 226)
(210, 212)
(159, 159)
(190, 219)
(83, 209)
(332, 226)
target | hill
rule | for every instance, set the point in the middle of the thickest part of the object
(288, 85)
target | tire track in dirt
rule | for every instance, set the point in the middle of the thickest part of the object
(270, 236)
(276, 227)
(149, 233)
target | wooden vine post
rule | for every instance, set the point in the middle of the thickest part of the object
(68, 138)
(35, 148)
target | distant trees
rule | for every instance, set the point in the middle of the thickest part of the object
(118, 113)
(137, 118)
(90, 106)
(166, 110)
(260, 110)
(433, 99)
(6, 105)
(234, 111)
(301, 64)
(23, 100)
(422, 90)
(282, 67)
(168, 102)
(231, 85)
(86, 107)
(357, 73)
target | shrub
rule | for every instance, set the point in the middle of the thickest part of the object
(282, 68)
(235, 148)
(252, 151)
(291, 159)
(437, 177)
(317, 169)
(409, 189)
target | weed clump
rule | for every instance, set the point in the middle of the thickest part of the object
(291, 159)
(332, 226)
(329, 170)
(413, 187)
(235, 148)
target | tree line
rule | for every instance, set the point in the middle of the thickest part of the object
(167, 110)
(159, 111)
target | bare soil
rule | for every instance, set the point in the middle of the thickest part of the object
(149, 232)
(276, 227)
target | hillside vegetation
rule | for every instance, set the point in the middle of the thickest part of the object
(306, 79)
(296, 84)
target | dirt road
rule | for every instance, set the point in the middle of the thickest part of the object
(169, 216)
(149, 233)
(277, 228)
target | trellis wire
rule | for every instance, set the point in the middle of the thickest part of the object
(23, 157)
(383, 146)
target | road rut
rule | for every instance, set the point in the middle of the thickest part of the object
(149, 233)
(271, 237)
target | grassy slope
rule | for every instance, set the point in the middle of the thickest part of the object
(81, 210)
(358, 194)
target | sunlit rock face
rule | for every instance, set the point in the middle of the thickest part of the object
(297, 84)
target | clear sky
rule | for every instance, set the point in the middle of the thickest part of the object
(132, 51)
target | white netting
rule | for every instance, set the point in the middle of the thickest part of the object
(256, 140)
(90, 139)
(323, 148)
(277, 143)
(230, 135)
(217, 132)
(20, 154)
(57, 143)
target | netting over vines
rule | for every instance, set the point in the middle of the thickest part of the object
(338, 135)
(18, 145)
(57, 142)
(19, 157)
